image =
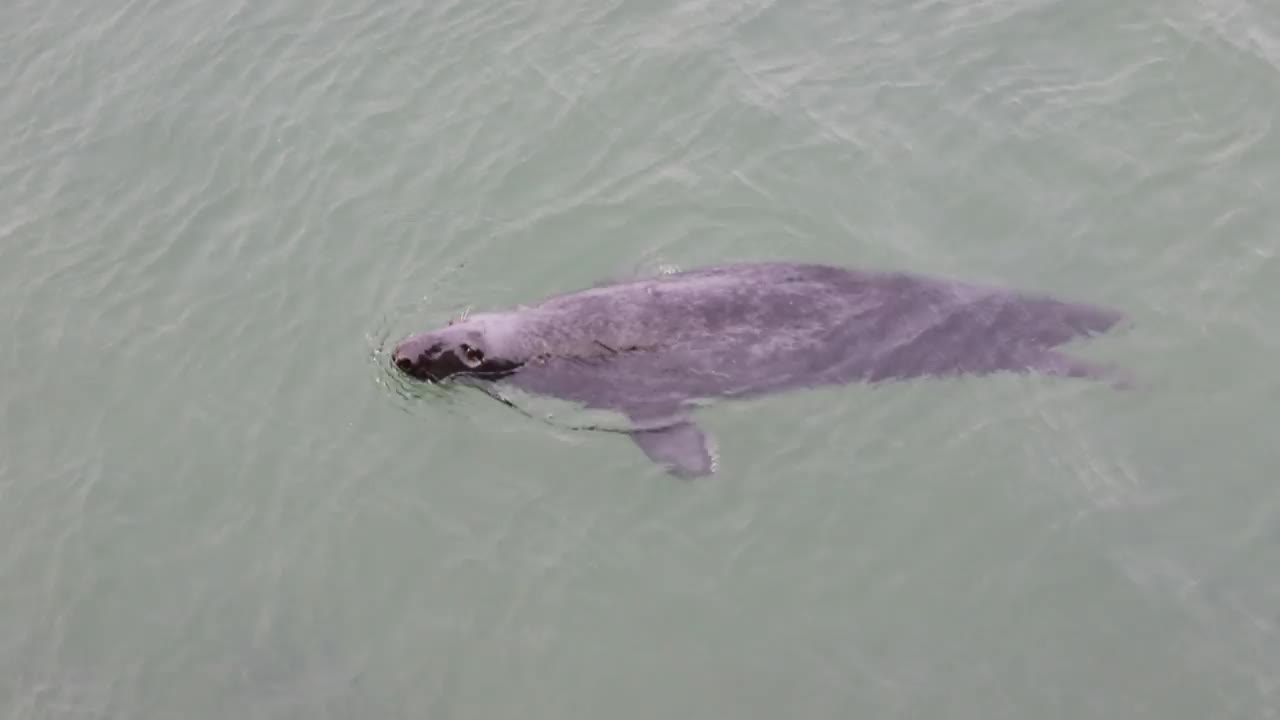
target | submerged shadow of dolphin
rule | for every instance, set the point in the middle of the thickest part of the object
(649, 346)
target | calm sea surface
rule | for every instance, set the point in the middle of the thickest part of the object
(215, 503)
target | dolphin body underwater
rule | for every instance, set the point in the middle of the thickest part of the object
(648, 347)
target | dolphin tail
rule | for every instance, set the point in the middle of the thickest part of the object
(1063, 365)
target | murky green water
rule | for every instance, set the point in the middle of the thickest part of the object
(214, 504)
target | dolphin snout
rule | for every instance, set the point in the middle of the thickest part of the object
(406, 363)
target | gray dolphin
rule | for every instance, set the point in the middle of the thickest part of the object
(648, 346)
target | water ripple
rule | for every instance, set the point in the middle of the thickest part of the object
(212, 216)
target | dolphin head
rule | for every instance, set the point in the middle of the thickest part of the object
(466, 347)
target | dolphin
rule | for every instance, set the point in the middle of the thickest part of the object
(650, 347)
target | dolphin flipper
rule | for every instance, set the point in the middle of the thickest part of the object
(614, 382)
(682, 449)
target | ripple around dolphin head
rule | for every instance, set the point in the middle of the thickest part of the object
(421, 399)
(409, 395)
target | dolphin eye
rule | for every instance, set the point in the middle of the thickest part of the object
(472, 356)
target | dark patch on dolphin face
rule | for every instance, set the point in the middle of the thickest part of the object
(433, 358)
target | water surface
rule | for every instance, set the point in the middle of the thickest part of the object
(214, 503)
